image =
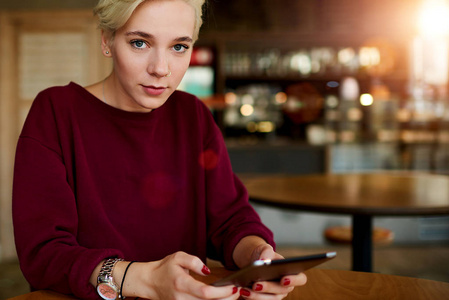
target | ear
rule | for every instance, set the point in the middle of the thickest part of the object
(106, 42)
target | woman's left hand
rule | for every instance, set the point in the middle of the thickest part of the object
(270, 289)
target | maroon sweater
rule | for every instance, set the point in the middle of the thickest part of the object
(92, 181)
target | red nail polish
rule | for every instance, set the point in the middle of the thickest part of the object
(235, 290)
(205, 270)
(258, 287)
(245, 293)
(286, 281)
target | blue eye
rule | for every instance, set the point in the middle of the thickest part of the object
(180, 48)
(138, 44)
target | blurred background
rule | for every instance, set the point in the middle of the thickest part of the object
(296, 86)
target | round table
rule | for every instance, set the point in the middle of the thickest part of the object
(330, 284)
(360, 195)
(342, 285)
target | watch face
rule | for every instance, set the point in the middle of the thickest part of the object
(106, 291)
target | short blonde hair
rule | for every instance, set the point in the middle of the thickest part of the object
(113, 14)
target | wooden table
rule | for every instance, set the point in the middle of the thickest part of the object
(332, 284)
(360, 195)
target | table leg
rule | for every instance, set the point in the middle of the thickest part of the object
(362, 248)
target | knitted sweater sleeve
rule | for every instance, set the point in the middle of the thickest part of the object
(45, 212)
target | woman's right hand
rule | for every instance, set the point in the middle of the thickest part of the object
(169, 278)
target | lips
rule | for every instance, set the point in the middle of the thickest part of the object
(154, 90)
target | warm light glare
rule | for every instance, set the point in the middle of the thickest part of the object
(350, 89)
(366, 99)
(281, 97)
(369, 56)
(301, 62)
(354, 114)
(247, 110)
(346, 55)
(230, 98)
(332, 101)
(434, 18)
(266, 126)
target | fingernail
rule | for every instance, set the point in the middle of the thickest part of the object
(286, 281)
(258, 287)
(205, 270)
(235, 290)
(245, 293)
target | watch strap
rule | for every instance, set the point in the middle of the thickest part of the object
(106, 286)
(108, 266)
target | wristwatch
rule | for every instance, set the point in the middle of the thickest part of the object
(106, 286)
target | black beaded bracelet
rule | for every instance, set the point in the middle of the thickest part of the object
(123, 279)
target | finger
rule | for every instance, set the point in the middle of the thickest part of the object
(235, 295)
(271, 287)
(211, 292)
(265, 251)
(294, 280)
(187, 284)
(268, 253)
(191, 263)
(250, 294)
(285, 285)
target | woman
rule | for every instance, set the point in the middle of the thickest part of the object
(128, 169)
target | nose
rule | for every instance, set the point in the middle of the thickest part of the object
(158, 64)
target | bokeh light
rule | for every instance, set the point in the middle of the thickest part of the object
(366, 99)
(246, 110)
(434, 18)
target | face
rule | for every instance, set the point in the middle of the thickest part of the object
(151, 54)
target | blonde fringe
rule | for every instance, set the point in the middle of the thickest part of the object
(113, 14)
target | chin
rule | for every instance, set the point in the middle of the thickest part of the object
(153, 104)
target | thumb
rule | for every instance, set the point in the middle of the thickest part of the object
(263, 251)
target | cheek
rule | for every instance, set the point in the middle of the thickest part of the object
(125, 65)
(180, 69)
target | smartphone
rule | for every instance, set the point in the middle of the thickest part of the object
(273, 270)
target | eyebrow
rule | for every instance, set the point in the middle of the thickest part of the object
(150, 36)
